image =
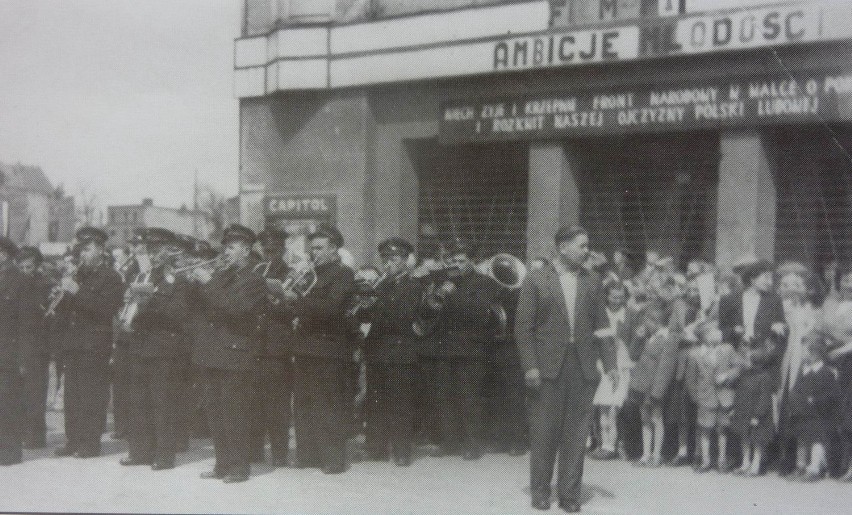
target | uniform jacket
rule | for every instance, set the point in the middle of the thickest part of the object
(463, 323)
(33, 326)
(160, 321)
(322, 329)
(227, 336)
(770, 310)
(703, 369)
(278, 319)
(542, 327)
(391, 338)
(90, 312)
(11, 357)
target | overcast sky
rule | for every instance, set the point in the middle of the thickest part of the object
(126, 96)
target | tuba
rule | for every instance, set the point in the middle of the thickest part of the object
(506, 269)
(509, 272)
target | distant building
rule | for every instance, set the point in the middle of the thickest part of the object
(30, 209)
(123, 220)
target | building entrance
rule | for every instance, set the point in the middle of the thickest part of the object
(651, 192)
(478, 192)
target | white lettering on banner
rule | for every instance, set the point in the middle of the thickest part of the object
(581, 47)
(761, 27)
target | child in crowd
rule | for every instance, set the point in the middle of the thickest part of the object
(710, 376)
(650, 379)
(610, 396)
(813, 403)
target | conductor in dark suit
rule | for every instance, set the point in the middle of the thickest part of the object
(559, 309)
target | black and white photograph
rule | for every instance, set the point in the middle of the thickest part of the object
(426, 256)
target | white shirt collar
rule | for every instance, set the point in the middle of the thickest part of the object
(812, 369)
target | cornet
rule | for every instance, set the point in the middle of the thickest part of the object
(301, 280)
(132, 302)
(217, 263)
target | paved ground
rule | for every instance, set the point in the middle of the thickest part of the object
(495, 484)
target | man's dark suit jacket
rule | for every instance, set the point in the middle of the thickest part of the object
(542, 327)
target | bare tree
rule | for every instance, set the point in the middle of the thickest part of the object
(212, 202)
(88, 210)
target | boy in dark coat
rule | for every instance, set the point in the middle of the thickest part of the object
(813, 405)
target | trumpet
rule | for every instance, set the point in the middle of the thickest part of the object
(367, 297)
(58, 293)
(132, 302)
(217, 263)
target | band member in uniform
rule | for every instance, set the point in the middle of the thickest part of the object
(232, 298)
(91, 297)
(33, 345)
(159, 355)
(138, 262)
(559, 309)
(391, 353)
(463, 300)
(323, 353)
(274, 388)
(11, 358)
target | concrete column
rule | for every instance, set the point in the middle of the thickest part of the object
(747, 197)
(554, 196)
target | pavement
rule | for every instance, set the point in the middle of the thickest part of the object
(497, 483)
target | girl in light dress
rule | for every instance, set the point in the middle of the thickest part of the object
(610, 396)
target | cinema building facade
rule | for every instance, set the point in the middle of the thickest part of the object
(700, 133)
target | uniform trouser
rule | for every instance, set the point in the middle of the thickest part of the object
(155, 397)
(121, 374)
(11, 413)
(560, 418)
(228, 396)
(426, 420)
(321, 423)
(86, 398)
(514, 413)
(458, 393)
(274, 390)
(390, 405)
(35, 400)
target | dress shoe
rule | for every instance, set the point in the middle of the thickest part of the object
(129, 461)
(702, 468)
(87, 453)
(439, 452)
(517, 450)
(471, 454)
(403, 461)
(13, 461)
(62, 452)
(236, 477)
(162, 465)
(540, 503)
(35, 443)
(213, 474)
(569, 505)
(811, 476)
(680, 460)
(334, 469)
